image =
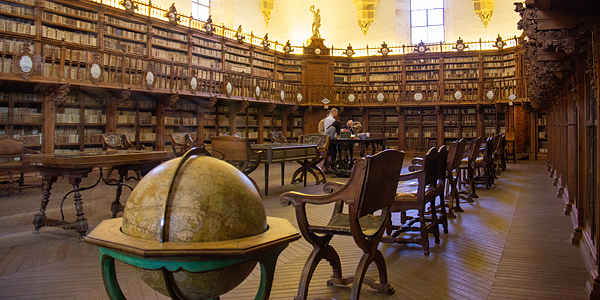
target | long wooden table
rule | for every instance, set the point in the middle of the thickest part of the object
(76, 166)
(281, 153)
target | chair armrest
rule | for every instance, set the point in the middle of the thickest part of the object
(331, 187)
(30, 151)
(297, 199)
(417, 161)
(409, 176)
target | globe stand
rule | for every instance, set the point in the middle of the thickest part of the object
(263, 248)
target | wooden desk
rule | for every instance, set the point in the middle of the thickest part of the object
(282, 153)
(76, 166)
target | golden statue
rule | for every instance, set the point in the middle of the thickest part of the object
(316, 22)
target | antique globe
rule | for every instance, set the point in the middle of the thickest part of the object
(210, 201)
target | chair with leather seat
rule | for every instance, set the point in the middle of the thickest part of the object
(455, 155)
(415, 191)
(370, 188)
(484, 165)
(467, 169)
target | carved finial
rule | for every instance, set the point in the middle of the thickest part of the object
(239, 35)
(172, 15)
(265, 41)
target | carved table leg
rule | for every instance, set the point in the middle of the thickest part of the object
(81, 225)
(116, 206)
(47, 181)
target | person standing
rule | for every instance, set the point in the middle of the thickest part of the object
(330, 118)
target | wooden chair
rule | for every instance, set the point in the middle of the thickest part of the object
(370, 188)
(322, 142)
(181, 143)
(455, 155)
(117, 141)
(509, 139)
(498, 157)
(414, 191)
(11, 155)
(277, 137)
(237, 151)
(467, 169)
(484, 165)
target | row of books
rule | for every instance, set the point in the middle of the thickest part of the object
(237, 68)
(124, 33)
(120, 22)
(66, 136)
(47, 16)
(204, 51)
(22, 27)
(128, 47)
(263, 57)
(69, 10)
(170, 55)
(205, 43)
(208, 63)
(70, 37)
(17, 10)
(169, 34)
(169, 43)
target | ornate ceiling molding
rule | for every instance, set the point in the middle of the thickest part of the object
(366, 14)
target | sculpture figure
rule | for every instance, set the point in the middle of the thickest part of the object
(316, 22)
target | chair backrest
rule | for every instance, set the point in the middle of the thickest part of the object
(321, 140)
(489, 149)
(455, 154)
(181, 143)
(277, 137)
(10, 146)
(430, 165)
(321, 127)
(234, 149)
(442, 164)
(473, 151)
(113, 141)
(381, 174)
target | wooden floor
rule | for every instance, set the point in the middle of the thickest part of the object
(512, 243)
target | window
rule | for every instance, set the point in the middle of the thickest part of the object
(426, 21)
(200, 9)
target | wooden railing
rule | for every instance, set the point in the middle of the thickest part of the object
(421, 94)
(58, 63)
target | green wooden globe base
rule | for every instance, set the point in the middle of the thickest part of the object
(169, 257)
(107, 259)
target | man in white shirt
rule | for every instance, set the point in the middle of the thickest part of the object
(330, 118)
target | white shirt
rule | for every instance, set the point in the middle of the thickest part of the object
(328, 121)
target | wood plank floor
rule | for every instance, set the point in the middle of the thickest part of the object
(512, 243)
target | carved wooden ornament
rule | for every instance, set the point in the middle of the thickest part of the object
(193, 82)
(24, 62)
(172, 15)
(130, 7)
(124, 96)
(96, 73)
(243, 105)
(57, 96)
(271, 107)
(170, 102)
(149, 76)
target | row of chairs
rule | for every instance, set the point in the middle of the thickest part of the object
(376, 189)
